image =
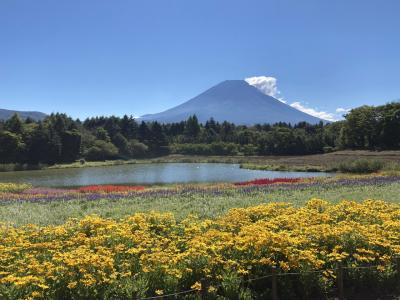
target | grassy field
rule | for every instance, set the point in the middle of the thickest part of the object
(205, 201)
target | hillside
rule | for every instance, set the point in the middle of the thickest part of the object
(35, 115)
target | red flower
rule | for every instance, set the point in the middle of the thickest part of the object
(266, 181)
(109, 188)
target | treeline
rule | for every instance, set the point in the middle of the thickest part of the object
(59, 138)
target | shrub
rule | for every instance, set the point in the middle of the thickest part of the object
(137, 149)
(328, 149)
(249, 150)
(361, 166)
(101, 150)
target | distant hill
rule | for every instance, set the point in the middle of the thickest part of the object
(235, 101)
(35, 115)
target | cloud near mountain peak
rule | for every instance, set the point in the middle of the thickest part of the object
(268, 85)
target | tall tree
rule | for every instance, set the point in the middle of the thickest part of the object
(192, 127)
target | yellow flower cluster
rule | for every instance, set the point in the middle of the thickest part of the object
(152, 253)
(13, 187)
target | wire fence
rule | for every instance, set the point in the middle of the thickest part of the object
(274, 275)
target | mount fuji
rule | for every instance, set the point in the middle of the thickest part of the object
(234, 101)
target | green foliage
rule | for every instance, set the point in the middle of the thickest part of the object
(370, 127)
(328, 149)
(102, 134)
(21, 167)
(58, 138)
(71, 141)
(101, 150)
(14, 124)
(249, 150)
(192, 128)
(361, 166)
(215, 148)
(128, 288)
(137, 149)
(11, 146)
(121, 143)
(232, 289)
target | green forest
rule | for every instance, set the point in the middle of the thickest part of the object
(61, 139)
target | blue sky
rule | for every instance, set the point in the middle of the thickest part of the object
(101, 57)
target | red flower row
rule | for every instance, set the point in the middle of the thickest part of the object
(109, 188)
(268, 181)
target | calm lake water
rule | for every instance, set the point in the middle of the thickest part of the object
(146, 174)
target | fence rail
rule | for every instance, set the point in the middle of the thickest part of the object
(274, 282)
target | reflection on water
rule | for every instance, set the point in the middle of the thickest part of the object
(146, 174)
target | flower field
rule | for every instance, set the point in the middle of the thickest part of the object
(268, 181)
(13, 187)
(109, 188)
(106, 242)
(10, 192)
(149, 254)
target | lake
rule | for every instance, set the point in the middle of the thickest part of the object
(153, 173)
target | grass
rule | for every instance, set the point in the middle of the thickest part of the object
(204, 205)
(305, 168)
(12, 167)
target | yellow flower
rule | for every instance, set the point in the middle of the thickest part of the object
(72, 285)
(36, 294)
(196, 286)
(159, 292)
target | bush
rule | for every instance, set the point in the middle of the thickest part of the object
(101, 150)
(361, 166)
(328, 149)
(249, 150)
(137, 149)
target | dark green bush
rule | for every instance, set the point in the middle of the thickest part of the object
(101, 150)
(328, 149)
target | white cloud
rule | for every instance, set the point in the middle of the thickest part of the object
(266, 84)
(311, 111)
(342, 110)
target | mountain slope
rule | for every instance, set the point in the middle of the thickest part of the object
(235, 101)
(35, 115)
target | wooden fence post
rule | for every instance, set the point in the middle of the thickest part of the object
(339, 278)
(274, 284)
